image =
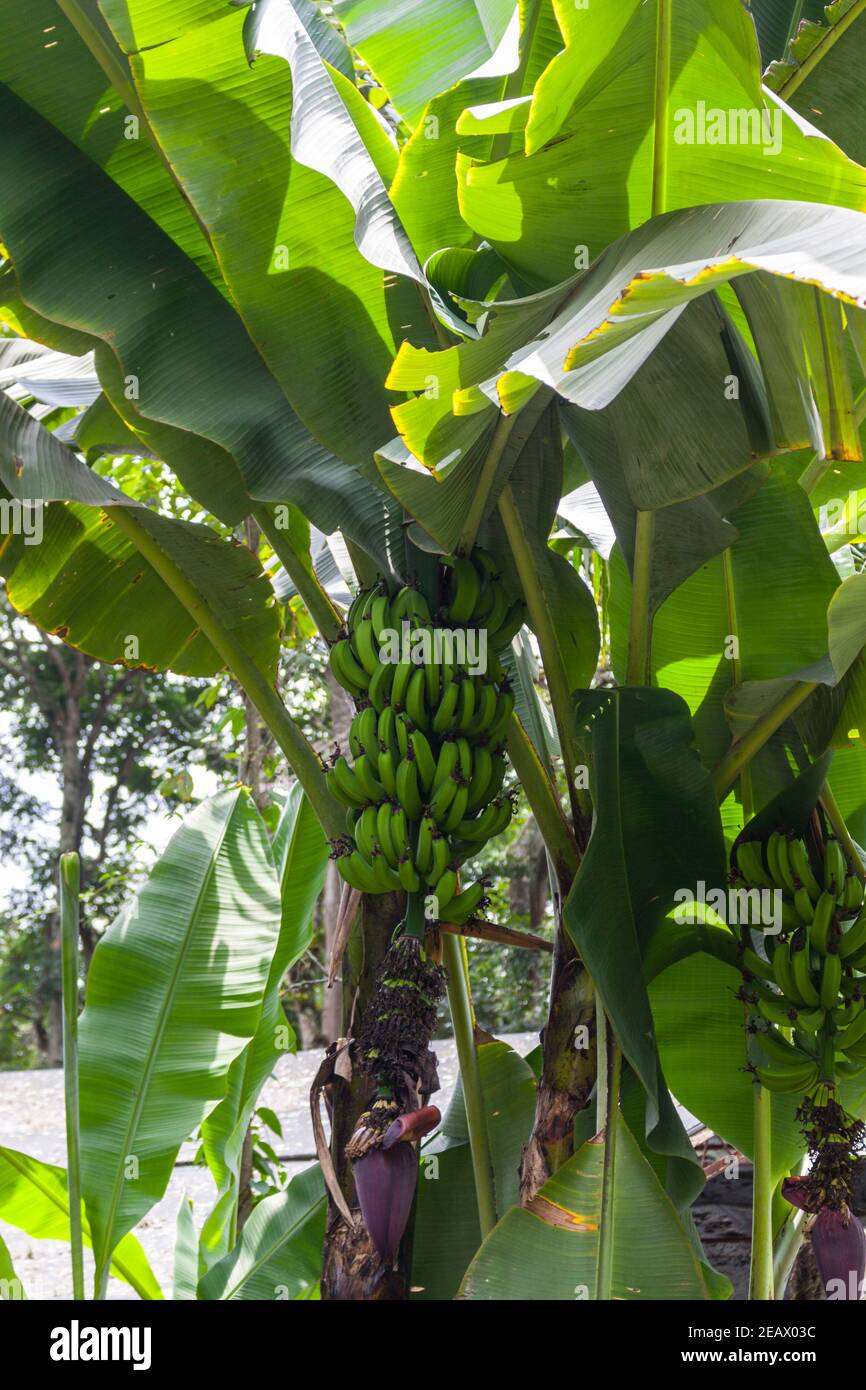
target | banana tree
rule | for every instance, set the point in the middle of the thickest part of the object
(446, 285)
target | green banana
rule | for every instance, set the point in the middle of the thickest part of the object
(447, 765)
(482, 774)
(387, 768)
(416, 705)
(804, 905)
(852, 893)
(831, 979)
(364, 732)
(383, 831)
(457, 809)
(408, 874)
(504, 711)
(408, 793)
(485, 709)
(466, 706)
(799, 953)
(346, 670)
(445, 888)
(424, 850)
(446, 710)
(511, 625)
(801, 867)
(355, 870)
(777, 1048)
(440, 858)
(403, 673)
(441, 799)
(853, 1034)
(364, 644)
(822, 922)
(835, 868)
(773, 845)
(424, 758)
(465, 588)
(345, 784)
(379, 689)
(751, 864)
(367, 775)
(781, 1012)
(465, 904)
(799, 1076)
(365, 831)
(854, 939)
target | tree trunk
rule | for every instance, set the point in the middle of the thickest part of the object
(75, 795)
(568, 1069)
(332, 1008)
(352, 1270)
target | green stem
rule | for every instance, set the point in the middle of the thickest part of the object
(455, 960)
(811, 61)
(323, 612)
(500, 147)
(300, 754)
(641, 620)
(550, 818)
(70, 879)
(729, 768)
(542, 624)
(787, 1247)
(662, 94)
(611, 1088)
(504, 426)
(837, 820)
(761, 1285)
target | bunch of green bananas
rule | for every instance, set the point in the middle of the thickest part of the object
(424, 778)
(806, 998)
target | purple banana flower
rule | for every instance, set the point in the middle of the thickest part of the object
(839, 1243)
(385, 1180)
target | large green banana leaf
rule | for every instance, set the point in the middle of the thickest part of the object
(447, 1233)
(550, 1251)
(47, 64)
(778, 612)
(34, 1198)
(11, 1287)
(646, 776)
(820, 74)
(420, 48)
(86, 580)
(279, 1254)
(180, 344)
(174, 994)
(300, 853)
(317, 309)
(616, 132)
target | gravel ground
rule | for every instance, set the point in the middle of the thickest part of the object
(31, 1119)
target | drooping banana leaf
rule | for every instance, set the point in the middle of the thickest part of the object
(819, 74)
(624, 124)
(301, 855)
(174, 994)
(34, 1198)
(325, 323)
(419, 49)
(279, 1254)
(550, 1251)
(645, 773)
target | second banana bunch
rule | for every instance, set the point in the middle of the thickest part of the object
(806, 992)
(424, 776)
